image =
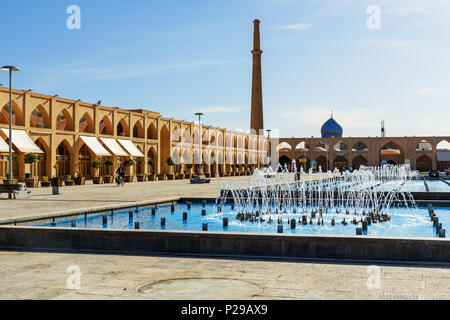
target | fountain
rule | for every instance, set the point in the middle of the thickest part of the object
(364, 195)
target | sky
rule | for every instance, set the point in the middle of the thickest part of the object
(180, 57)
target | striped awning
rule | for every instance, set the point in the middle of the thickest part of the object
(114, 147)
(131, 148)
(95, 146)
(22, 141)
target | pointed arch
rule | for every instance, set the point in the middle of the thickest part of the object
(340, 162)
(187, 158)
(105, 126)
(64, 156)
(220, 139)
(64, 121)
(165, 148)
(138, 130)
(176, 134)
(322, 162)
(284, 161)
(302, 146)
(152, 133)
(39, 168)
(213, 138)
(340, 147)
(303, 162)
(391, 153)
(86, 124)
(39, 118)
(152, 155)
(424, 163)
(424, 145)
(321, 147)
(443, 145)
(359, 147)
(17, 114)
(122, 128)
(195, 137)
(284, 146)
(359, 161)
(228, 141)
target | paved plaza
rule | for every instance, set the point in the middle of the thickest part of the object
(106, 277)
(42, 203)
(44, 275)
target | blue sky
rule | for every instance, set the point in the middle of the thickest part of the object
(179, 57)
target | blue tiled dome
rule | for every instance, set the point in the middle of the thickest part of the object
(331, 129)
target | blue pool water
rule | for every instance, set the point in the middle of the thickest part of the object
(438, 186)
(407, 222)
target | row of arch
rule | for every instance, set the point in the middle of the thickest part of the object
(360, 146)
(423, 163)
(40, 119)
(212, 138)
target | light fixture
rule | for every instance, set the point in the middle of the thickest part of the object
(10, 69)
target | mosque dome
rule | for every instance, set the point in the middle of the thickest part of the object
(331, 129)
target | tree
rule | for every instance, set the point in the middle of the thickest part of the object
(170, 162)
(139, 163)
(151, 163)
(108, 163)
(96, 164)
(29, 158)
(128, 162)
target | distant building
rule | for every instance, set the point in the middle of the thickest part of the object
(333, 150)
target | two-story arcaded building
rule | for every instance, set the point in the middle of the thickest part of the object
(73, 134)
(332, 150)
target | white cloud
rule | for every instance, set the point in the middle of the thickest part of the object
(298, 26)
(394, 42)
(222, 109)
(428, 91)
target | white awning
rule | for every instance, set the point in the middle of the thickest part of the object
(131, 148)
(443, 156)
(114, 147)
(95, 146)
(4, 147)
(22, 141)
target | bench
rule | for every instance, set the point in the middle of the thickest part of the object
(198, 180)
(14, 189)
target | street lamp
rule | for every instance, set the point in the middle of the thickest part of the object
(199, 114)
(269, 155)
(11, 69)
(328, 150)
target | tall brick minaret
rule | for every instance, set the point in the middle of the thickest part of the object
(257, 118)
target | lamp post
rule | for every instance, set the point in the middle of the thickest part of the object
(328, 150)
(199, 114)
(304, 149)
(11, 69)
(269, 154)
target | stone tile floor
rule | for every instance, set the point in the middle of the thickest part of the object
(44, 275)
